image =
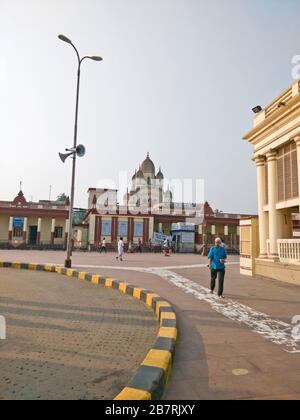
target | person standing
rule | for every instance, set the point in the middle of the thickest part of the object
(167, 248)
(130, 248)
(139, 247)
(217, 256)
(103, 246)
(120, 249)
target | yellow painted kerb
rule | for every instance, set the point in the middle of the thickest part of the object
(150, 297)
(16, 265)
(137, 292)
(168, 332)
(123, 287)
(132, 394)
(158, 358)
(70, 272)
(161, 305)
(95, 279)
(167, 315)
(81, 276)
(108, 282)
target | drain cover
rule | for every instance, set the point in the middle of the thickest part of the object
(240, 372)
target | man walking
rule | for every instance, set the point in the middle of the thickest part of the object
(103, 246)
(121, 247)
(217, 256)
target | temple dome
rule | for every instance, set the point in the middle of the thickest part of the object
(148, 166)
(159, 175)
(139, 174)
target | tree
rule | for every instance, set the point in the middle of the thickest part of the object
(61, 198)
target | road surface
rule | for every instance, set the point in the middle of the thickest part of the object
(238, 349)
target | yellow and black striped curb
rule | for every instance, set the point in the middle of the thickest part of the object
(151, 378)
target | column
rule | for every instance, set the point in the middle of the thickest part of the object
(151, 228)
(98, 229)
(297, 141)
(226, 234)
(130, 229)
(39, 230)
(238, 235)
(146, 231)
(66, 233)
(92, 229)
(204, 235)
(213, 234)
(25, 229)
(261, 191)
(273, 198)
(160, 227)
(10, 228)
(52, 231)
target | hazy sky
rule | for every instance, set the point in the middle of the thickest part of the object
(179, 79)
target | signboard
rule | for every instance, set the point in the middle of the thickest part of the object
(188, 237)
(18, 222)
(183, 227)
(159, 238)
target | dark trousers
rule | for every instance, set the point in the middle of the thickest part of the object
(220, 274)
(103, 249)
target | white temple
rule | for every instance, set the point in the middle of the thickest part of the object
(147, 189)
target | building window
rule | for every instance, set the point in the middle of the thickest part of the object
(58, 233)
(287, 172)
(106, 228)
(123, 229)
(139, 229)
(18, 232)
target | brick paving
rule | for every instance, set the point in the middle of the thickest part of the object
(68, 339)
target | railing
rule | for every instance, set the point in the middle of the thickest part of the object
(283, 99)
(289, 251)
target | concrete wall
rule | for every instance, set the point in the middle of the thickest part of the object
(4, 221)
(278, 271)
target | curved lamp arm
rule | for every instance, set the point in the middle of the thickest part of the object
(80, 60)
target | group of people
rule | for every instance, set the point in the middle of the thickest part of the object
(217, 258)
(131, 249)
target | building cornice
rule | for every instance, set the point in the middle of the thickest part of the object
(276, 120)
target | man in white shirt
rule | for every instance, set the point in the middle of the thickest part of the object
(103, 246)
(120, 249)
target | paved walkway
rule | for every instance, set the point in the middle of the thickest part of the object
(68, 339)
(241, 349)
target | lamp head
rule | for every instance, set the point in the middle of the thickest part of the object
(96, 58)
(64, 39)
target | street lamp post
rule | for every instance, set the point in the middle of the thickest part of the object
(68, 262)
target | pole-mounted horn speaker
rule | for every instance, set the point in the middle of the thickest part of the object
(64, 156)
(80, 150)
